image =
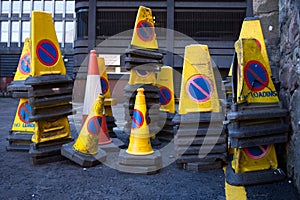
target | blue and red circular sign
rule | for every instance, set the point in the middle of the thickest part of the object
(145, 30)
(199, 88)
(165, 95)
(137, 119)
(24, 64)
(94, 125)
(258, 44)
(256, 76)
(104, 84)
(24, 112)
(47, 53)
(257, 152)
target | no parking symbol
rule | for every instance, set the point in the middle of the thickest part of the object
(47, 53)
(199, 88)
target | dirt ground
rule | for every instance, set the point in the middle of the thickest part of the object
(66, 180)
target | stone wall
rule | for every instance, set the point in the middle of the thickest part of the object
(289, 22)
(267, 11)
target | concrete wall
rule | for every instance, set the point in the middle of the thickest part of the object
(289, 22)
(281, 26)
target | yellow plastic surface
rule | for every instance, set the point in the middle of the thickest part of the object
(21, 122)
(252, 29)
(141, 77)
(165, 83)
(51, 130)
(104, 78)
(254, 80)
(243, 163)
(46, 56)
(144, 35)
(87, 141)
(24, 65)
(139, 141)
(198, 66)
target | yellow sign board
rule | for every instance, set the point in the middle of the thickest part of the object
(198, 88)
(254, 80)
(21, 122)
(46, 56)
(144, 35)
(103, 77)
(251, 28)
(24, 64)
(254, 159)
(166, 89)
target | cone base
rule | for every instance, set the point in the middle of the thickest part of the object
(253, 178)
(19, 141)
(114, 146)
(146, 164)
(83, 160)
(47, 152)
(201, 166)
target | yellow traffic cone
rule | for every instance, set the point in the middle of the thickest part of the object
(139, 142)
(166, 89)
(93, 85)
(85, 151)
(87, 141)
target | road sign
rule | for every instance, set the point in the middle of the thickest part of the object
(256, 76)
(24, 112)
(257, 152)
(137, 119)
(47, 52)
(165, 96)
(104, 85)
(199, 88)
(24, 64)
(145, 30)
(94, 125)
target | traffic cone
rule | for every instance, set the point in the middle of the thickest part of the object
(93, 85)
(139, 142)
(104, 137)
(85, 150)
(139, 157)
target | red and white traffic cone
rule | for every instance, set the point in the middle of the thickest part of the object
(93, 85)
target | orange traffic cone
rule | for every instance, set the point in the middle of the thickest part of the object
(93, 85)
(104, 137)
(139, 142)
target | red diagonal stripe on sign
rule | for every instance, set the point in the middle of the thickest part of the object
(46, 52)
(145, 29)
(257, 77)
(199, 88)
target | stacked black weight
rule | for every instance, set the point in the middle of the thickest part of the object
(144, 61)
(200, 141)
(18, 140)
(167, 124)
(50, 97)
(255, 125)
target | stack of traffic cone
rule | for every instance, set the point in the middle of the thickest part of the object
(93, 85)
(143, 59)
(85, 151)
(19, 138)
(139, 157)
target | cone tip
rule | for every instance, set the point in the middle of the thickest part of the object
(140, 90)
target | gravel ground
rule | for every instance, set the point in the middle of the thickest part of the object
(66, 180)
